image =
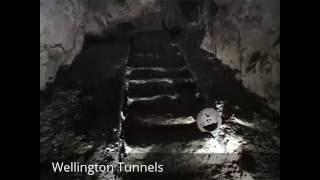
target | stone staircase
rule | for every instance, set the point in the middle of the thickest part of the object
(162, 99)
(162, 93)
(162, 102)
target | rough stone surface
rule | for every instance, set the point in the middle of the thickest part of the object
(61, 142)
(81, 119)
(103, 15)
(245, 35)
(245, 146)
(63, 24)
(60, 35)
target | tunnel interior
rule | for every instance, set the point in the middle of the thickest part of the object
(133, 96)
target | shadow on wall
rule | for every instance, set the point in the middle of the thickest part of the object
(98, 72)
(245, 36)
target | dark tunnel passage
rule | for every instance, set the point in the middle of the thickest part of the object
(133, 96)
(159, 98)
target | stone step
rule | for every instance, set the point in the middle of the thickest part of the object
(149, 46)
(177, 105)
(151, 73)
(153, 61)
(159, 130)
(153, 88)
(160, 36)
(160, 120)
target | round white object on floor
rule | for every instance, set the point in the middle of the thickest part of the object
(209, 120)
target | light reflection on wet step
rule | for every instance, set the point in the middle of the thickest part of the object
(152, 98)
(160, 80)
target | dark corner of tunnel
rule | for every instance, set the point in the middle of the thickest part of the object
(95, 80)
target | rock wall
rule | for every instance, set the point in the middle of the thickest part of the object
(105, 15)
(245, 35)
(63, 24)
(61, 34)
